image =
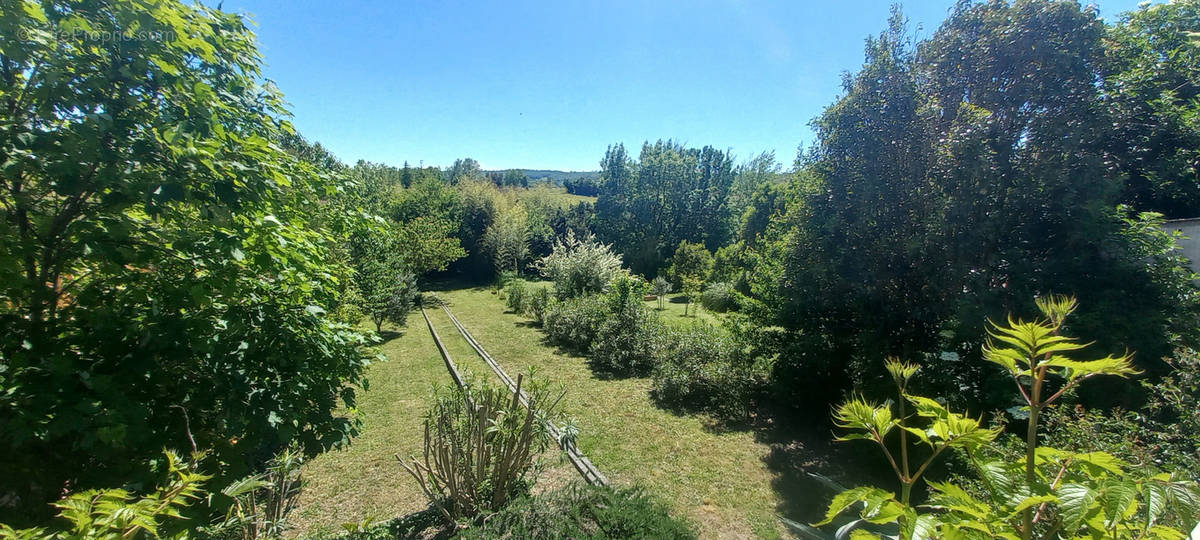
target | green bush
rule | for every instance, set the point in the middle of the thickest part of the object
(719, 297)
(580, 266)
(1035, 492)
(516, 294)
(538, 302)
(575, 322)
(580, 511)
(705, 367)
(630, 341)
(481, 446)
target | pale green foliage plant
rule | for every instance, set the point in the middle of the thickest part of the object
(480, 446)
(263, 502)
(579, 266)
(1052, 493)
(661, 288)
(113, 514)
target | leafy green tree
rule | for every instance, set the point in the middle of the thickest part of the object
(661, 288)
(515, 178)
(751, 177)
(165, 264)
(690, 260)
(427, 245)
(507, 239)
(671, 194)
(956, 178)
(386, 285)
(690, 266)
(481, 203)
(1152, 91)
(464, 169)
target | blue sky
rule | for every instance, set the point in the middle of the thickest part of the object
(549, 85)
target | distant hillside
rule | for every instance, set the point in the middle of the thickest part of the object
(557, 177)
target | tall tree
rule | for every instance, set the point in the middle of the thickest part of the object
(1152, 91)
(464, 169)
(507, 239)
(165, 265)
(386, 285)
(960, 177)
(671, 193)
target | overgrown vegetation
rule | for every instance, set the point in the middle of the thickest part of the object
(166, 266)
(481, 443)
(1049, 492)
(579, 511)
(180, 269)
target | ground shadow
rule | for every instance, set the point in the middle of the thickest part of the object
(802, 455)
(455, 284)
(428, 524)
(387, 336)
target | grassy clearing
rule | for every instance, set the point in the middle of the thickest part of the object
(721, 480)
(672, 312)
(731, 483)
(364, 481)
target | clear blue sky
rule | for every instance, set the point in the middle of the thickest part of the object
(549, 85)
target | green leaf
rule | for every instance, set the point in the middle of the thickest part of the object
(1076, 502)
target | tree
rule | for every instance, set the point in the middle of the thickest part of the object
(1152, 91)
(690, 267)
(750, 178)
(386, 286)
(956, 178)
(507, 239)
(671, 194)
(515, 178)
(464, 169)
(661, 288)
(165, 263)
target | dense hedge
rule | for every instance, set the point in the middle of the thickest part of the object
(574, 323)
(706, 367)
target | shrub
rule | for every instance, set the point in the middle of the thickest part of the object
(630, 341)
(537, 304)
(719, 297)
(480, 445)
(516, 294)
(579, 267)
(581, 511)
(263, 502)
(116, 513)
(704, 366)
(575, 322)
(1044, 493)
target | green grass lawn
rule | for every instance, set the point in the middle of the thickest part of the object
(718, 479)
(364, 480)
(726, 481)
(672, 312)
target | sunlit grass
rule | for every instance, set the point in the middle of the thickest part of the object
(364, 480)
(718, 479)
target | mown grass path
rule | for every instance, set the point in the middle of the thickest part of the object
(364, 481)
(718, 479)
